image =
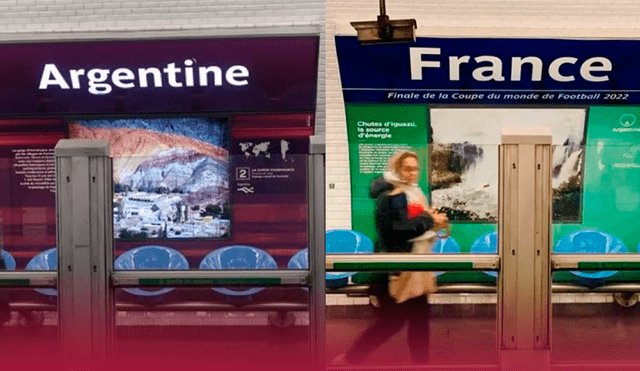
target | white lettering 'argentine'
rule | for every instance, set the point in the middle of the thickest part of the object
(51, 76)
(100, 81)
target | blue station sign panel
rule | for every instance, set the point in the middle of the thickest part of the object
(491, 71)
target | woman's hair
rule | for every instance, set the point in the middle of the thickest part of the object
(402, 157)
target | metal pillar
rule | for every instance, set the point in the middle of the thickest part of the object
(524, 242)
(316, 204)
(84, 219)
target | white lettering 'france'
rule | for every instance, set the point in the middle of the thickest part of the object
(100, 81)
(491, 68)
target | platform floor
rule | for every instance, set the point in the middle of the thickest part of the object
(578, 336)
(473, 340)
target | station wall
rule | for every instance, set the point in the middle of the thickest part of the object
(463, 18)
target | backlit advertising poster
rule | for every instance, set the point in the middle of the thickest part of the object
(170, 175)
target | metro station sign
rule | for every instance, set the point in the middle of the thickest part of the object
(491, 71)
(226, 75)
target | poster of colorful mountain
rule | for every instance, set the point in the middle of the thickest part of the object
(171, 175)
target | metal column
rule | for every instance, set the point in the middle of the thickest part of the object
(84, 201)
(524, 242)
(316, 194)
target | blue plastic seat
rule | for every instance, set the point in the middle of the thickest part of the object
(590, 241)
(344, 241)
(365, 245)
(486, 244)
(9, 261)
(238, 257)
(446, 246)
(300, 260)
(151, 257)
(45, 261)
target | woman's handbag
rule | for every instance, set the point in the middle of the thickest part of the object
(407, 285)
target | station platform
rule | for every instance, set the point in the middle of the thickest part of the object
(462, 334)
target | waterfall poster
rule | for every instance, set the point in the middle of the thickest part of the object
(463, 159)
